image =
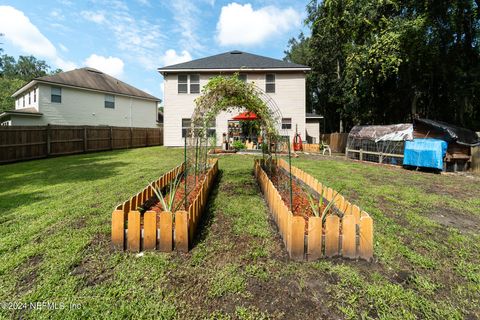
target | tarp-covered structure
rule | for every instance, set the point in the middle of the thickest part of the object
(450, 132)
(394, 132)
(425, 153)
(382, 144)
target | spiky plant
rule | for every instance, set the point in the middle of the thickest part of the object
(317, 206)
(167, 200)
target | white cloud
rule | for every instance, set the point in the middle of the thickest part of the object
(242, 25)
(138, 39)
(171, 57)
(110, 65)
(23, 34)
(97, 17)
(186, 16)
(63, 47)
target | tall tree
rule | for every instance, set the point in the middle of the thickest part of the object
(380, 62)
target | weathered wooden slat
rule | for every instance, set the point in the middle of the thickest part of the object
(134, 232)
(118, 229)
(297, 238)
(181, 231)
(314, 244)
(332, 233)
(366, 237)
(166, 231)
(150, 230)
(349, 241)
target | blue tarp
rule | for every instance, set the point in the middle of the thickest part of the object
(427, 153)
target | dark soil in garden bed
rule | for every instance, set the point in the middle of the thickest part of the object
(194, 183)
(300, 193)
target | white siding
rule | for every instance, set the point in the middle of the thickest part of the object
(312, 128)
(33, 102)
(83, 107)
(289, 96)
(27, 121)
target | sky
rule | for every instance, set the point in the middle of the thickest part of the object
(131, 39)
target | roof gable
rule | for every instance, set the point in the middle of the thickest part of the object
(89, 78)
(234, 60)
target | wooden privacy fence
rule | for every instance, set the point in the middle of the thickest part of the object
(350, 236)
(162, 231)
(33, 142)
(336, 141)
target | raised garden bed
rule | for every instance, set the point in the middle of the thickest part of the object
(141, 224)
(345, 230)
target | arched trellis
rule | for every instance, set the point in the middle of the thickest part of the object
(230, 94)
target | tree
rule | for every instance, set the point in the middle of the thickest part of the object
(380, 62)
(15, 74)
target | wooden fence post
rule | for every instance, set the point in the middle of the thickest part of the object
(150, 230)
(314, 244)
(349, 239)
(85, 141)
(118, 232)
(181, 231)
(49, 139)
(134, 231)
(111, 138)
(366, 237)
(166, 231)
(332, 229)
(131, 137)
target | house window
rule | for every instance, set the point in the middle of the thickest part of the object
(182, 83)
(56, 95)
(186, 125)
(242, 77)
(194, 83)
(29, 98)
(286, 123)
(34, 95)
(23, 98)
(270, 83)
(109, 101)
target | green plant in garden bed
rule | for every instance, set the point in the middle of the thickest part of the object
(316, 206)
(167, 201)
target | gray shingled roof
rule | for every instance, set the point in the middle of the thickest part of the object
(234, 60)
(90, 78)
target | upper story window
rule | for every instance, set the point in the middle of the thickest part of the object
(194, 83)
(34, 95)
(182, 83)
(110, 101)
(23, 98)
(270, 83)
(30, 98)
(243, 77)
(56, 95)
(286, 123)
(188, 83)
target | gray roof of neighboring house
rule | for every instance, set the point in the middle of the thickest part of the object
(89, 78)
(23, 112)
(234, 60)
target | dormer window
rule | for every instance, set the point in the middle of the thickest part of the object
(270, 83)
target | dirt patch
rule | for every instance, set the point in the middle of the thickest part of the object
(452, 218)
(29, 274)
(93, 269)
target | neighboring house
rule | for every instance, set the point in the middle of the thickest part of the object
(83, 96)
(284, 82)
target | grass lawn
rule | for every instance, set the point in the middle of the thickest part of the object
(55, 245)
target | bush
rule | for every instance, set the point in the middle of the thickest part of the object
(238, 145)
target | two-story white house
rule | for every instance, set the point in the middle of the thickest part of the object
(83, 96)
(284, 82)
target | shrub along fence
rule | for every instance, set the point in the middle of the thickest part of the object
(33, 142)
(350, 236)
(166, 230)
